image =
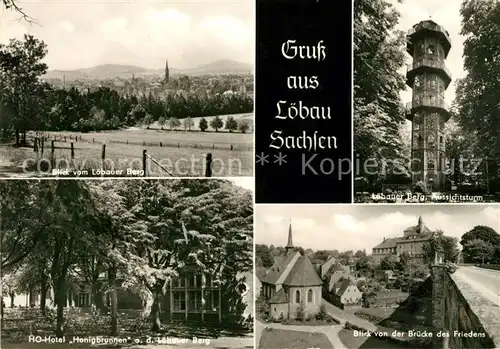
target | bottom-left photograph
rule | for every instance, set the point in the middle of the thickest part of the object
(126, 263)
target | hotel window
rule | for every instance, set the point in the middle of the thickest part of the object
(179, 300)
(179, 281)
(215, 300)
(211, 300)
(297, 296)
(194, 301)
(310, 296)
(191, 280)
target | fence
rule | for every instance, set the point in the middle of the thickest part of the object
(39, 146)
(230, 147)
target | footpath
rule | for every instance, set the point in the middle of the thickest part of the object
(343, 317)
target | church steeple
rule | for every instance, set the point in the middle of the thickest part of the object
(420, 225)
(167, 72)
(289, 245)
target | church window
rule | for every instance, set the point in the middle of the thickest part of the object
(297, 296)
(310, 296)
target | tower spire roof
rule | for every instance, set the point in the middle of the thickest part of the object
(289, 244)
(420, 225)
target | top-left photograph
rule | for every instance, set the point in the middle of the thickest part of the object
(126, 88)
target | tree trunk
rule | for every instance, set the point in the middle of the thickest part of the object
(60, 298)
(114, 301)
(97, 297)
(114, 312)
(43, 295)
(156, 312)
(17, 137)
(24, 137)
(147, 303)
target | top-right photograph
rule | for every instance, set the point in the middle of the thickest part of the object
(426, 101)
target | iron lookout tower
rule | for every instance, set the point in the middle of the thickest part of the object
(429, 45)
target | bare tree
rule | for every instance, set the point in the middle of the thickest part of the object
(14, 6)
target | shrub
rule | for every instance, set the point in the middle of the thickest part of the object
(231, 124)
(300, 315)
(216, 123)
(203, 125)
(450, 267)
(321, 314)
(420, 188)
(243, 126)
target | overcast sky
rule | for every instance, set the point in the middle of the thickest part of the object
(245, 182)
(445, 13)
(358, 227)
(82, 34)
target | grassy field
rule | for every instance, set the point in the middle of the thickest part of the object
(274, 339)
(170, 153)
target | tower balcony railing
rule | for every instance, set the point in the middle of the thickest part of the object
(427, 102)
(438, 64)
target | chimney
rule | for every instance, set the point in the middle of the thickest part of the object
(384, 239)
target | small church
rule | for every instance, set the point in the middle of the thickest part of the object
(291, 283)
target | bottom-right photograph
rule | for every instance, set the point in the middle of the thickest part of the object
(377, 276)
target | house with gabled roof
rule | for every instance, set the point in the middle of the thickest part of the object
(346, 292)
(335, 274)
(290, 283)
